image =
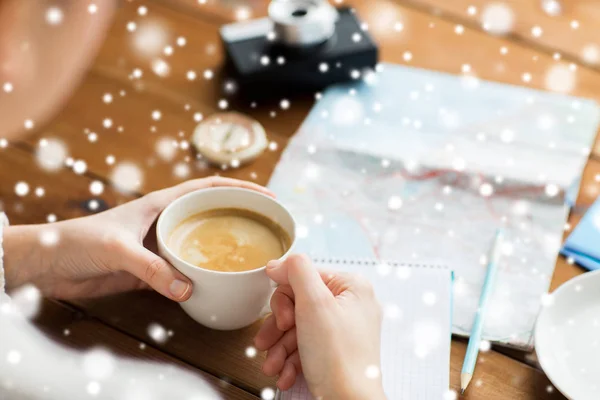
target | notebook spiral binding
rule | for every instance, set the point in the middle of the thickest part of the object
(366, 261)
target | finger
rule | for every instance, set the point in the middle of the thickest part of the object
(174, 192)
(287, 378)
(160, 199)
(294, 358)
(118, 282)
(274, 362)
(362, 286)
(282, 305)
(217, 181)
(279, 353)
(268, 334)
(158, 273)
(298, 272)
(105, 285)
(340, 282)
(290, 371)
(337, 282)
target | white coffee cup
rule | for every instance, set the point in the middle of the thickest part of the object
(223, 300)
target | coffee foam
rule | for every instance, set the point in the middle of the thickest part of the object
(228, 240)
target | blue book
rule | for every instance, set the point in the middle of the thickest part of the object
(583, 244)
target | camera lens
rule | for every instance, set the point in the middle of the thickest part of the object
(300, 12)
(302, 23)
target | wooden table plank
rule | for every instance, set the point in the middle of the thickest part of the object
(573, 33)
(500, 377)
(138, 141)
(76, 330)
(590, 186)
(66, 195)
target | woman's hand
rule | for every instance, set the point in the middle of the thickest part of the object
(326, 325)
(103, 253)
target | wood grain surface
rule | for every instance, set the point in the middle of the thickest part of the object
(428, 33)
(571, 33)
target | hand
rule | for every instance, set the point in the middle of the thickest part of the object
(103, 253)
(326, 325)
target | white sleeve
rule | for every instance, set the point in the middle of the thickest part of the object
(3, 223)
(34, 367)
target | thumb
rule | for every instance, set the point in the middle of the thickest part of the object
(299, 272)
(159, 274)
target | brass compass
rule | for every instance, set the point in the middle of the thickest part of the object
(229, 139)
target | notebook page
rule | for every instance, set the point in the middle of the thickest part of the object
(415, 342)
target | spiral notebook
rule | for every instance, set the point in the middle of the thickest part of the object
(415, 340)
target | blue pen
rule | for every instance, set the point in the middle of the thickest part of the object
(486, 292)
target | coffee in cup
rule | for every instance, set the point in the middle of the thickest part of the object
(227, 293)
(228, 240)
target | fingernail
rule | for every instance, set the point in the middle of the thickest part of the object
(273, 264)
(179, 288)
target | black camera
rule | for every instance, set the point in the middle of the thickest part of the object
(304, 45)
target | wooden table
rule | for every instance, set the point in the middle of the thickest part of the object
(429, 31)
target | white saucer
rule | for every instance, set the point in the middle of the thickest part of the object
(567, 337)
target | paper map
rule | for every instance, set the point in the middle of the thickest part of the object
(419, 166)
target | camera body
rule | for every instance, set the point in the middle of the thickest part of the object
(304, 45)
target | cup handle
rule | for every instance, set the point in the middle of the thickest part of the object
(267, 308)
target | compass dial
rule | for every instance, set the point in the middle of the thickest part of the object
(229, 138)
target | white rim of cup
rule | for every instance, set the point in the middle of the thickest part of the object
(219, 189)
